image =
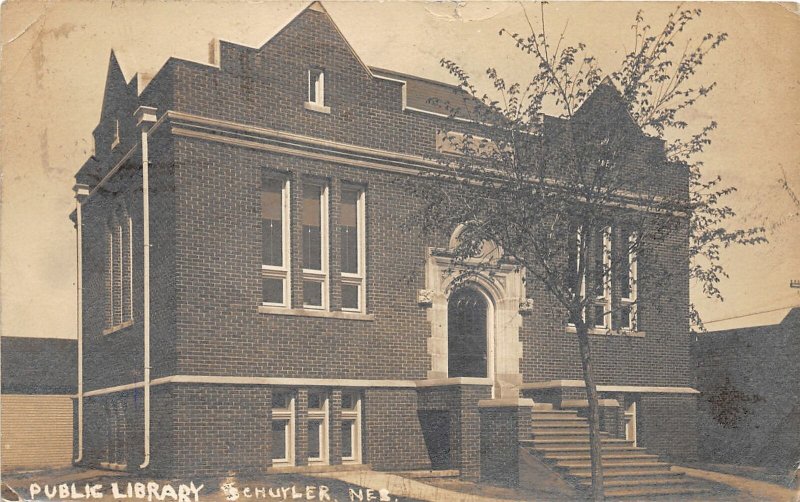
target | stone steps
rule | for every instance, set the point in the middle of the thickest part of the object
(641, 481)
(606, 455)
(561, 439)
(648, 492)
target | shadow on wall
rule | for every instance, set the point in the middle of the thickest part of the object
(436, 431)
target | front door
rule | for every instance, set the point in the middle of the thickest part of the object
(467, 328)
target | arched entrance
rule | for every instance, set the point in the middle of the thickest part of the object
(469, 333)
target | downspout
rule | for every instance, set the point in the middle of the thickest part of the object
(145, 117)
(81, 192)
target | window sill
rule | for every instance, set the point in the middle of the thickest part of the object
(608, 332)
(353, 316)
(314, 107)
(118, 327)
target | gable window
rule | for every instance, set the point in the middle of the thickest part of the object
(315, 246)
(116, 139)
(351, 427)
(119, 270)
(316, 86)
(351, 230)
(628, 280)
(282, 428)
(275, 242)
(316, 91)
(317, 427)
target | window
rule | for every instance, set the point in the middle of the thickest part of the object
(316, 91)
(317, 427)
(315, 246)
(351, 230)
(630, 422)
(316, 86)
(275, 242)
(600, 277)
(282, 428)
(351, 427)
(574, 260)
(115, 141)
(119, 270)
(628, 279)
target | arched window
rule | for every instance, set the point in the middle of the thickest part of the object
(467, 328)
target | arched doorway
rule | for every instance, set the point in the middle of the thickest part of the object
(469, 329)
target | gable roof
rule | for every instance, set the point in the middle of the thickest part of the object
(607, 106)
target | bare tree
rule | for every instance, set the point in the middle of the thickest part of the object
(615, 164)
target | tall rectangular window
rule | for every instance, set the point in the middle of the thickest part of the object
(600, 276)
(352, 240)
(317, 427)
(576, 238)
(351, 427)
(119, 262)
(119, 270)
(315, 246)
(628, 279)
(282, 428)
(275, 275)
(127, 269)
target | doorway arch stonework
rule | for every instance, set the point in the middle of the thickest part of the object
(503, 284)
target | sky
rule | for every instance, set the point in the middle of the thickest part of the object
(54, 60)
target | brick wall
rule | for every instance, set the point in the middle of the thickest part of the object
(668, 425)
(392, 434)
(220, 428)
(501, 431)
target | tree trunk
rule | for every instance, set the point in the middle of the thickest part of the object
(594, 414)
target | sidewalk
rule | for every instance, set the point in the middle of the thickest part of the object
(759, 490)
(404, 487)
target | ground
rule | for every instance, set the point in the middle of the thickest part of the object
(737, 484)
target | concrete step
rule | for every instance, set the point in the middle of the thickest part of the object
(562, 413)
(561, 419)
(646, 492)
(560, 431)
(425, 474)
(624, 472)
(584, 449)
(628, 464)
(558, 424)
(642, 481)
(606, 455)
(574, 440)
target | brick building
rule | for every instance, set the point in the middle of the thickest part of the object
(37, 383)
(250, 299)
(748, 411)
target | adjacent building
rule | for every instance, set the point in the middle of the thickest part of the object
(748, 410)
(38, 387)
(251, 300)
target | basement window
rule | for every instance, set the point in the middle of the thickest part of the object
(317, 427)
(351, 427)
(282, 428)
